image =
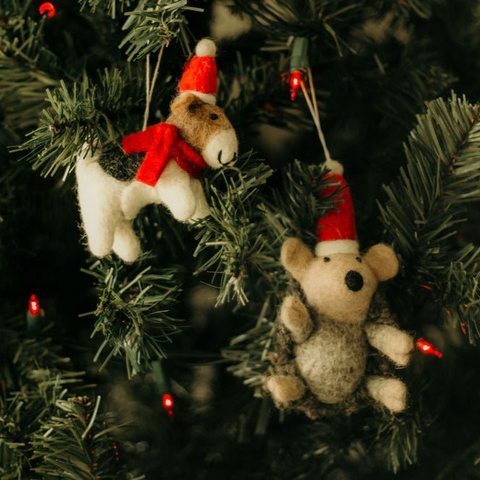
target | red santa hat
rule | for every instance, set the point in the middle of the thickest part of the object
(336, 230)
(200, 73)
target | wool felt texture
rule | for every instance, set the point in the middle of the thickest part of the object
(336, 230)
(324, 337)
(391, 392)
(200, 75)
(120, 166)
(286, 366)
(195, 135)
(99, 197)
(199, 122)
(162, 144)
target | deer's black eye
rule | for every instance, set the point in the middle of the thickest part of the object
(214, 116)
(326, 259)
(358, 259)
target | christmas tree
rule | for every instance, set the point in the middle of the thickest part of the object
(152, 360)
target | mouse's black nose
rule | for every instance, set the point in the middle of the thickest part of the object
(354, 281)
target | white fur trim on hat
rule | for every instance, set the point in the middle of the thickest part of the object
(206, 97)
(331, 247)
(205, 48)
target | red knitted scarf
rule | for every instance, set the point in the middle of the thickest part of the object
(162, 143)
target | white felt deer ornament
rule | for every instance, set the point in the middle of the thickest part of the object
(114, 186)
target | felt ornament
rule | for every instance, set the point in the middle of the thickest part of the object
(325, 332)
(160, 165)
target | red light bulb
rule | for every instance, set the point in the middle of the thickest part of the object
(167, 402)
(34, 305)
(47, 7)
(295, 83)
(428, 348)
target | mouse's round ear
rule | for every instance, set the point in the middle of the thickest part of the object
(383, 261)
(296, 257)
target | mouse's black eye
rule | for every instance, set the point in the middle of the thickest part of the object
(326, 259)
(214, 116)
(359, 259)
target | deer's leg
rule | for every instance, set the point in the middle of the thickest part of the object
(202, 209)
(136, 196)
(99, 199)
(126, 244)
(174, 190)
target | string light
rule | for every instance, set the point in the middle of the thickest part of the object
(295, 83)
(34, 305)
(167, 401)
(48, 8)
(427, 348)
(298, 64)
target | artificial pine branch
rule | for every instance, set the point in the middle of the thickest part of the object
(283, 18)
(153, 24)
(22, 91)
(246, 89)
(111, 7)
(424, 210)
(230, 230)
(85, 113)
(134, 313)
(75, 441)
(46, 430)
(250, 352)
(21, 37)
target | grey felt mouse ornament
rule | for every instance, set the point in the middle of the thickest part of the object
(326, 328)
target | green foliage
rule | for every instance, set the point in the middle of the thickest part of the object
(282, 18)
(26, 64)
(86, 112)
(233, 193)
(424, 209)
(401, 438)
(77, 442)
(134, 311)
(250, 352)
(21, 37)
(463, 286)
(246, 88)
(46, 431)
(22, 95)
(293, 207)
(154, 24)
(109, 6)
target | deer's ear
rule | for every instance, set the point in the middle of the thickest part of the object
(187, 101)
